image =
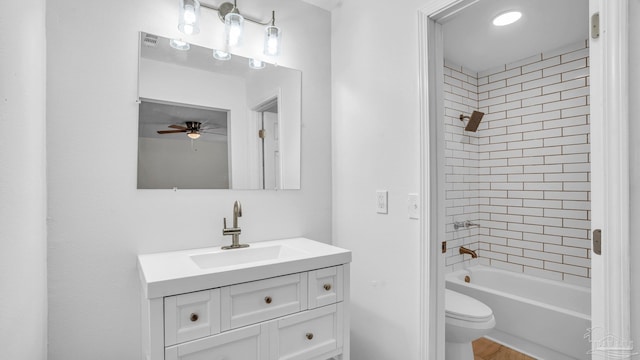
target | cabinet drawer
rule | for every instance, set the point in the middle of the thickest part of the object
(312, 334)
(256, 301)
(249, 343)
(191, 316)
(325, 286)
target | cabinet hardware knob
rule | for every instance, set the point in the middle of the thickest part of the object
(194, 317)
(327, 287)
(309, 336)
(268, 299)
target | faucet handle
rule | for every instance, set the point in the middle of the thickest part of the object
(224, 223)
(469, 224)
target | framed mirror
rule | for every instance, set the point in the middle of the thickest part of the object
(206, 123)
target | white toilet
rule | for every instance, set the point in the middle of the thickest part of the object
(466, 319)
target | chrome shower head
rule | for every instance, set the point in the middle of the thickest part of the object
(474, 120)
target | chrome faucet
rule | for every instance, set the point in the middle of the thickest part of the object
(464, 250)
(469, 224)
(235, 230)
(464, 224)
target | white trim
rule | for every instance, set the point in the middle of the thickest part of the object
(432, 322)
(427, 336)
(610, 306)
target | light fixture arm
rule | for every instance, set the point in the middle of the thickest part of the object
(228, 7)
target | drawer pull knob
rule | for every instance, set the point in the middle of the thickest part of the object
(309, 336)
(194, 317)
(327, 287)
(268, 300)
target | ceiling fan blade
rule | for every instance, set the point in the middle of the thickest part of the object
(179, 127)
(171, 131)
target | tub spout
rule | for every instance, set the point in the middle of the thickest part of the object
(464, 250)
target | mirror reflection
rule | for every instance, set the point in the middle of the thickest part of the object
(206, 123)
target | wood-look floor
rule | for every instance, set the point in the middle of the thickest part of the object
(485, 349)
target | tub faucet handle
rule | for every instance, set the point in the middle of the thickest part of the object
(469, 224)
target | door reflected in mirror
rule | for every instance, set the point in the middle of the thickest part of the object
(213, 124)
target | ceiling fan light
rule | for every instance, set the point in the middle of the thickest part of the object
(193, 135)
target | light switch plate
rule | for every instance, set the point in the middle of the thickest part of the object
(413, 206)
(381, 201)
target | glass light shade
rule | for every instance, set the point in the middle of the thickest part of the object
(189, 17)
(233, 26)
(193, 135)
(221, 55)
(256, 64)
(179, 44)
(272, 40)
(507, 18)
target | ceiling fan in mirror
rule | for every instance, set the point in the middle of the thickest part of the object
(193, 129)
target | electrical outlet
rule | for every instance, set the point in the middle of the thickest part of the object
(381, 201)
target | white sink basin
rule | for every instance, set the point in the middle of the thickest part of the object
(179, 272)
(235, 257)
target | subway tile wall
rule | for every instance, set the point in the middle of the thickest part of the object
(524, 176)
(461, 164)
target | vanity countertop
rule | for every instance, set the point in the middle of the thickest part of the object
(178, 272)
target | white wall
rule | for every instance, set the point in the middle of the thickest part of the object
(98, 220)
(23, 278)
(376, 145)
(634, 134)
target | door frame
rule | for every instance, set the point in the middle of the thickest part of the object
(609, 71)
(256, 110)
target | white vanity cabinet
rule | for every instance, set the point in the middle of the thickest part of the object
(295, 311)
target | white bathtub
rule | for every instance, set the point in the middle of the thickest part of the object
(532, 314)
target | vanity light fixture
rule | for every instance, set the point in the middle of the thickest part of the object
(178, 44)
(189, 17)
(234, 22)
(233, 27)
(256, 64)
(272, 36)
(221, 55)
(507, 18)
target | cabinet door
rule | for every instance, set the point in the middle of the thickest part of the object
(257, 301)
(325, 286)
(191, 316)
(248, 343)
(313, 334)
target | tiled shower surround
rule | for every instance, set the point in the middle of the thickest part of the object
(524, 175)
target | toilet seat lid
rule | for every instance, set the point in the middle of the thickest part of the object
(463, 307)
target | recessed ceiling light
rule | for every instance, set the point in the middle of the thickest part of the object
(507, 18)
